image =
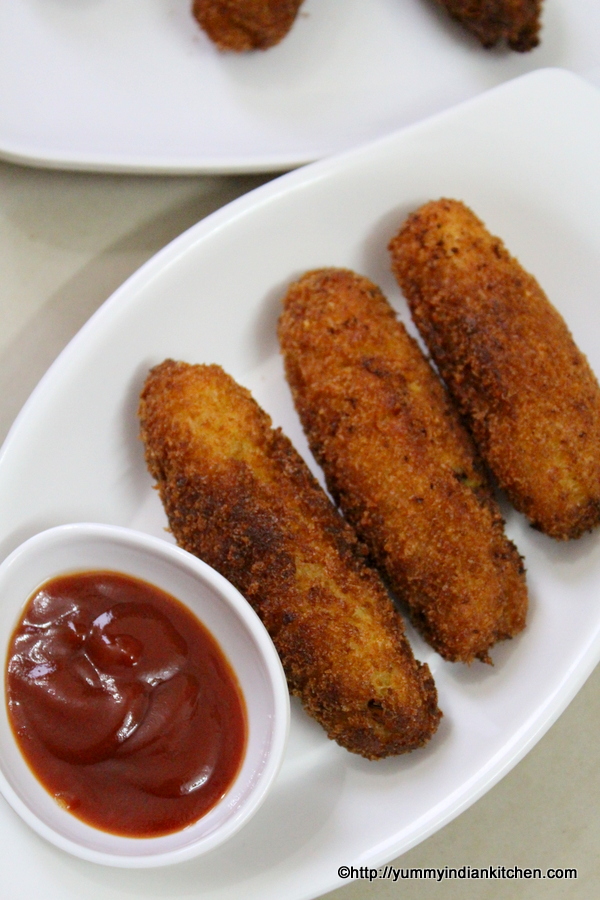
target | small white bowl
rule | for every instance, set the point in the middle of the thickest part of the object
(240, 635)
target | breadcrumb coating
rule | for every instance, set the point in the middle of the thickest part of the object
(397, 461)
(492, 21)
(527, 393)
(239, 496)
(241, 25)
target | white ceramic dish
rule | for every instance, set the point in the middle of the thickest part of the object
(126, 85)
(525, 158)
(240, 635)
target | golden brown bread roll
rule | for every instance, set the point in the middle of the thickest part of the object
(246, 24)
(492, 21)
(527, 393)
(238, 495)
(398, 462)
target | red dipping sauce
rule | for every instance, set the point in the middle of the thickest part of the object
(123, 704)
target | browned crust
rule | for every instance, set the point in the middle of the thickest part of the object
(238, 495)
(527, 392)
(494, 21)
(241, 25)
(399, 464)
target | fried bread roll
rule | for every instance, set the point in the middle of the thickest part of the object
(238, 495)
(399, 464)
(491, 21)
(527, 393)
(246, 24)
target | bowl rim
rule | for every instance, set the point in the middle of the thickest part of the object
(175, 557)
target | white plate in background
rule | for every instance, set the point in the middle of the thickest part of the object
(525, 158)
(124, 85)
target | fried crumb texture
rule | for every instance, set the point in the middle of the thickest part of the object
(399, 463)
(240, 497)
(526, 391)
(516, 22)
(241, 25)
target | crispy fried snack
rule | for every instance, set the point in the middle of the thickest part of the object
(527, 393)
(238, 495)
(515, 21)
(399, 464)
(246, 24)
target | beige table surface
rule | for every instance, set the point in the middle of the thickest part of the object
(67, 241)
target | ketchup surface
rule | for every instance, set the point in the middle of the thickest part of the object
(123, 704)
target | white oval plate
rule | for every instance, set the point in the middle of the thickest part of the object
(525, 158)
(124, 85)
